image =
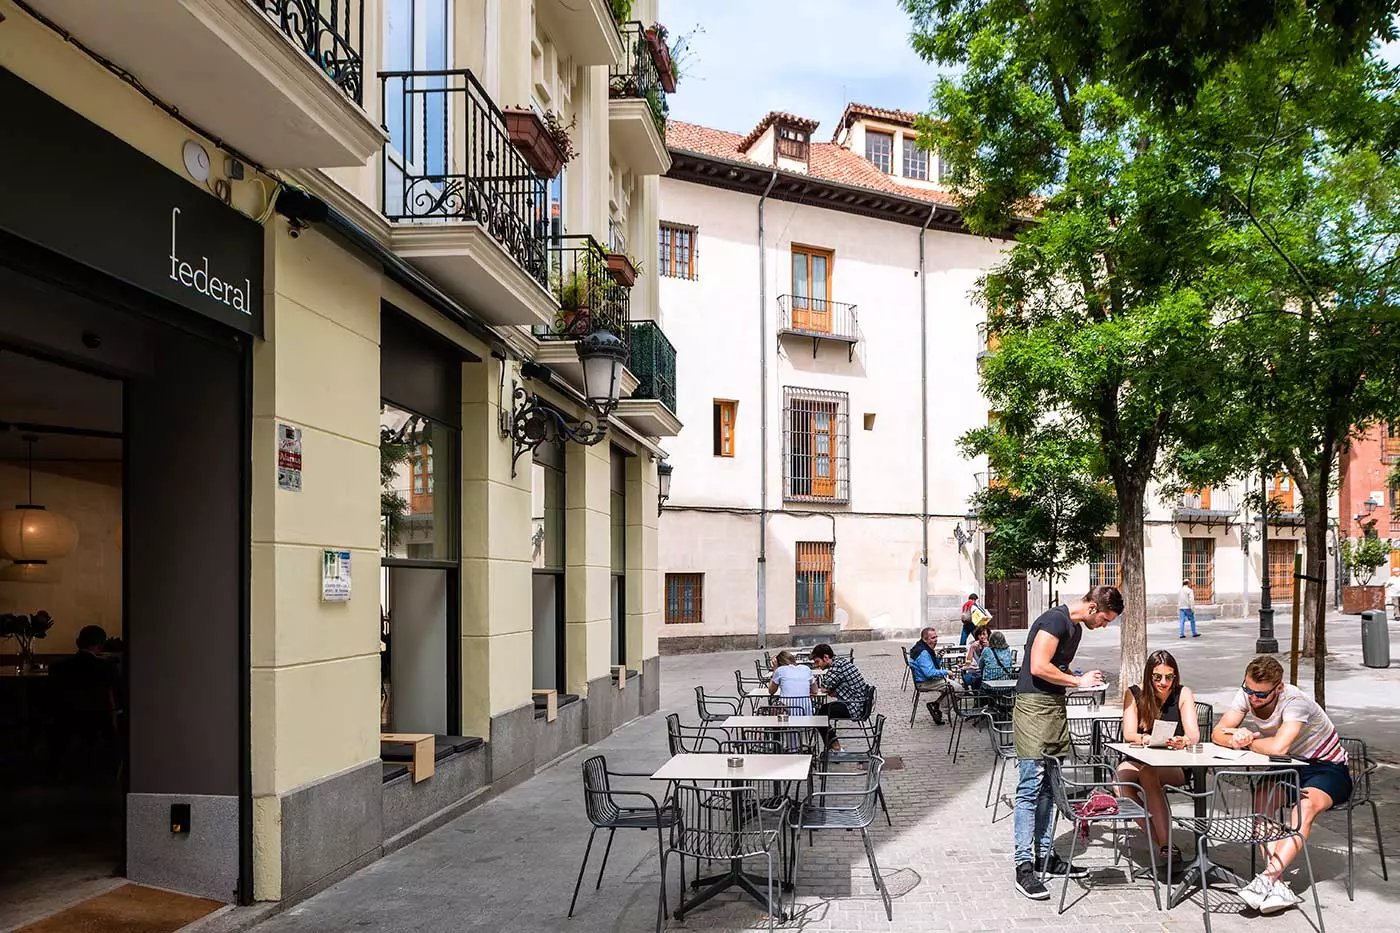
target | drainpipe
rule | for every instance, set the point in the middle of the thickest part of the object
(763, 422)
(923, 421)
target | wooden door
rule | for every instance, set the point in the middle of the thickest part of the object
(811, 289)
(1281, 554)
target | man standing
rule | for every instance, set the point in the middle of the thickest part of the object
(970, 609)
(1273, 718)
(846, 689)
(1186, 609)
(1041, 727)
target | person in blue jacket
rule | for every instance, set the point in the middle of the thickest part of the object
(924, 663)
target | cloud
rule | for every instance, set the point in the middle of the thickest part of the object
(809, 57)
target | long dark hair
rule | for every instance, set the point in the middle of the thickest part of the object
(1148, 706)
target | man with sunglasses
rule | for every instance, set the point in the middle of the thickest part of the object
(1273, 718)
(1040, 727)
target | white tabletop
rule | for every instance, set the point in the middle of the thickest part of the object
(1079, 711)
(999, 684)
(1212, 756)
(1011, 684)
(716, 768)
(772, 722)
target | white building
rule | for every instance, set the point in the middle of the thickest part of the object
(819, 297)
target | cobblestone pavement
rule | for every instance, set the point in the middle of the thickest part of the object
(510, 864)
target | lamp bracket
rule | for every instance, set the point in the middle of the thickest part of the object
(534, 421)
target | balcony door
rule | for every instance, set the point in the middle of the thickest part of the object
(811, 289)
(416, 39)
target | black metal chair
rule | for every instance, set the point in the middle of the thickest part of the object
(1102, 778)
(940, 688)
(1361, 767)
(964, 706)
(1249, 808)
(1004, 748)
(724, 824)
(692, 740)
(904, 683)
(851, 805)
(1205, 718)
(714, 709)
(863, 756)
(1106, 731)
(1080, 699)
(600, 802)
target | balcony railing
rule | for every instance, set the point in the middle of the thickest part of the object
(589, 299)
(653, 362)
(818, 317)
(637, 77)
(450, 157)
(326, 31)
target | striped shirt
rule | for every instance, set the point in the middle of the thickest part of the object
(1316, 741)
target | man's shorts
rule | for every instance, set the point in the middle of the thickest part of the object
(1330, 777)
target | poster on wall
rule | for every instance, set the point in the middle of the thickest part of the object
(288, 458)
(335, 576)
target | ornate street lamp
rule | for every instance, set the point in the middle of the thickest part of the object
(534, 421)
(663, 484)
(1266, 643)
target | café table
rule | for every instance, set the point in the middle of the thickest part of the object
(773, 722)
(756, 695)
(1010, 684)
(710, 767)
(1211, 757)
(1089, 712)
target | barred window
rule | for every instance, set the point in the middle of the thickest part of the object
(676, 251)
(915, 159)
(1281, 555)
(1198, 566)
(815, 569)
(816, 445)
(685, 598)
(879, 149)
(1106, 568)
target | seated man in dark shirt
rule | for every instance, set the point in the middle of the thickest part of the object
(85, 698)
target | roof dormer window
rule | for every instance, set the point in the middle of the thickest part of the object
(794, 142)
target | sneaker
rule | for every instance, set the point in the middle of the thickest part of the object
(1195, 634)
(1028, 884)
(1181, 636)
(1279, 897)
(935, 711)
(1059, 867)
(1256, 891)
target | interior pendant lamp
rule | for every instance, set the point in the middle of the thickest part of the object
(31, 535)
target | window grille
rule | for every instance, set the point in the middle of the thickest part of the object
(1198, 566)
(815, 570)
(816, 445)
(676, 251)
(685, 598)
(1281, 554)
(1106, 569)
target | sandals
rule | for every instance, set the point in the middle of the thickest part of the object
(1162, 854)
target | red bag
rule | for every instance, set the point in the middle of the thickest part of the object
(1098, 804)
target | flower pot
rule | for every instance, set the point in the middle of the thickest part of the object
(572, 322)
(661, 55)
(531, 137)
(621, 269)
(1357, 599)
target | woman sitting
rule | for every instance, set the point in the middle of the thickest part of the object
(996, 663)
(972, 673)
(793, 683)
(1160, 697)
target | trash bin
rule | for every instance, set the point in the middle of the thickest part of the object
(1375, 639)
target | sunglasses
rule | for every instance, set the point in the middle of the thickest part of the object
(1163, 678)
(1258, 694)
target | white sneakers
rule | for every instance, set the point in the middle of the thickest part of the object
(1269, 897)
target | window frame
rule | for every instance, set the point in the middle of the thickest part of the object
(809, 312)
(1282, 586)
(1112, 557)
(1204, 592)
(911, 146)
(789, 142)
(668, 237)
(804, 407)
(697, 590)
(888, 168)
(816, 562)
(723, 407)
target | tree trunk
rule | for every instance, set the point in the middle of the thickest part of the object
(1133, 622)
(1315, 606)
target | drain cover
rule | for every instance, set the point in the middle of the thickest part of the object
(894, 763)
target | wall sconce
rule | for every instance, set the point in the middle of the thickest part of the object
(663, 484)
(533, 421)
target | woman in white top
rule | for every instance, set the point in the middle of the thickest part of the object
(793, 683)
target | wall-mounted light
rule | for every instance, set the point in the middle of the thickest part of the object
(663, 484)
(533, 421)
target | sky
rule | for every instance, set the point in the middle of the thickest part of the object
(748, 57)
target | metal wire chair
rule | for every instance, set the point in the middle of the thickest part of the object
(850, 806)
(904, 683)
(964, 706)
(1102, 778)
(600, 802)
(1252, 808)
(692, 740)
(1361, 768)
(724, 824)
(864, 756)
(1106, 731)
(713, 709)
(745, 684)
(1004, 747)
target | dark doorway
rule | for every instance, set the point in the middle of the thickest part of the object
(1006, 601)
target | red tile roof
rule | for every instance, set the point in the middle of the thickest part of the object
(854, 111)
(773, 116)
(829, 161)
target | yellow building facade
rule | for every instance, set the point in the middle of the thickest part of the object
(432, 530)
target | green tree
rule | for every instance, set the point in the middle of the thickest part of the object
(1101, 307)
(1047, 510)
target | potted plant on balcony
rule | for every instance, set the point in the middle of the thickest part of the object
(543, 141)
(1362, 557)
(661, 55)
(623, 268)
(621, 11)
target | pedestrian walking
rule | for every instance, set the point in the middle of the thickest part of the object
(1186, 610)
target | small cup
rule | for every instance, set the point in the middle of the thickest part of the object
(736, 761)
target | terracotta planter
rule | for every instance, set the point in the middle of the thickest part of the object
(531, 137)
(621, 269)
(661, 55)
(1357, 599)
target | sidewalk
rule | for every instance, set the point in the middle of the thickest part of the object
(511, 864)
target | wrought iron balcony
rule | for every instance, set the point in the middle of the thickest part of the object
(653, 362)
(820, 319)
(450, 157)
(326, 31)
(638, 76)
(589, 298)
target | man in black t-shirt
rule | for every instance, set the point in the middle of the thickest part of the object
(1041, 727)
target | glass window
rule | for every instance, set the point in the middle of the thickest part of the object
(815, 566)
(413, 521)
(676, 251)
(1198, 566)
(1104, 568)
(915, 159)
(685, 598)
(619, 556)
(879, 149)
(725, 414)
